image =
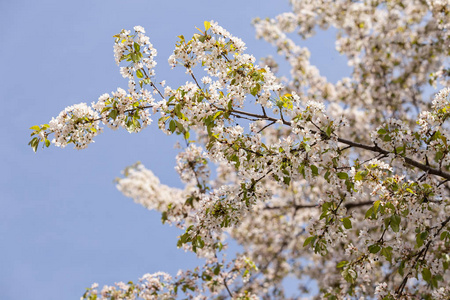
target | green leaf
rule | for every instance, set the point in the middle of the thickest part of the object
(390, 206)
(306, 146)
(349, 275)
(113, 114)
(314, 170)
(420, 237)
(200, 243)
(309, 240)
(164, 217)
(35, 127)
(136, 46)
(410, 191)
(245, 273)
(47, 142)
(438, 156)
(376, 205)
(217, 269)
(201, 38)
(360, 175)
(400, 150)
(207, 25)
(139, 74)
(424, 235)
(254, 91)
(387, 138)
(206, 277)
(134, 57)
(387, 252)
(381, 131)
(342, 264)
(395, 223)
(374, 248)
(177, 110)
(217, 114)
(180, 127)
(230, 103)
(347, 223)
(369, 213)
(350, 185)
(342, 175)
(172, 126)
(419, 240)
(327, 176)
(329, 130)
(287, 180)
(34, 143)
(426, 274)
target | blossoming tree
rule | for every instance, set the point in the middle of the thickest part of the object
(343, 186)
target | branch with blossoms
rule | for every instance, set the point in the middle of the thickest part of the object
(211, 280)
(420, 256)
(79, 124)
(309, 181)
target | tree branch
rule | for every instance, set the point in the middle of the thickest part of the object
(407, 160)
(301, 206)
(375, 148)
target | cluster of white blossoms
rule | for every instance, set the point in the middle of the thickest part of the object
(137, 49)
(192, 165)
(149, 286)
(145, 188)
(130, 111)
(200, 284)
(343, 187)
(222, 56)
(441, 103)
(77, 124)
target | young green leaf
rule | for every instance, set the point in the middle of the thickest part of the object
(207, 25)
(347, 223)
(342, 175)
(395, 223)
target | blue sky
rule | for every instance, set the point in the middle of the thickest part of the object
(63, 225)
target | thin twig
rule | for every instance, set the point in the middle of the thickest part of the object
(226, 286)
(270, 124)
